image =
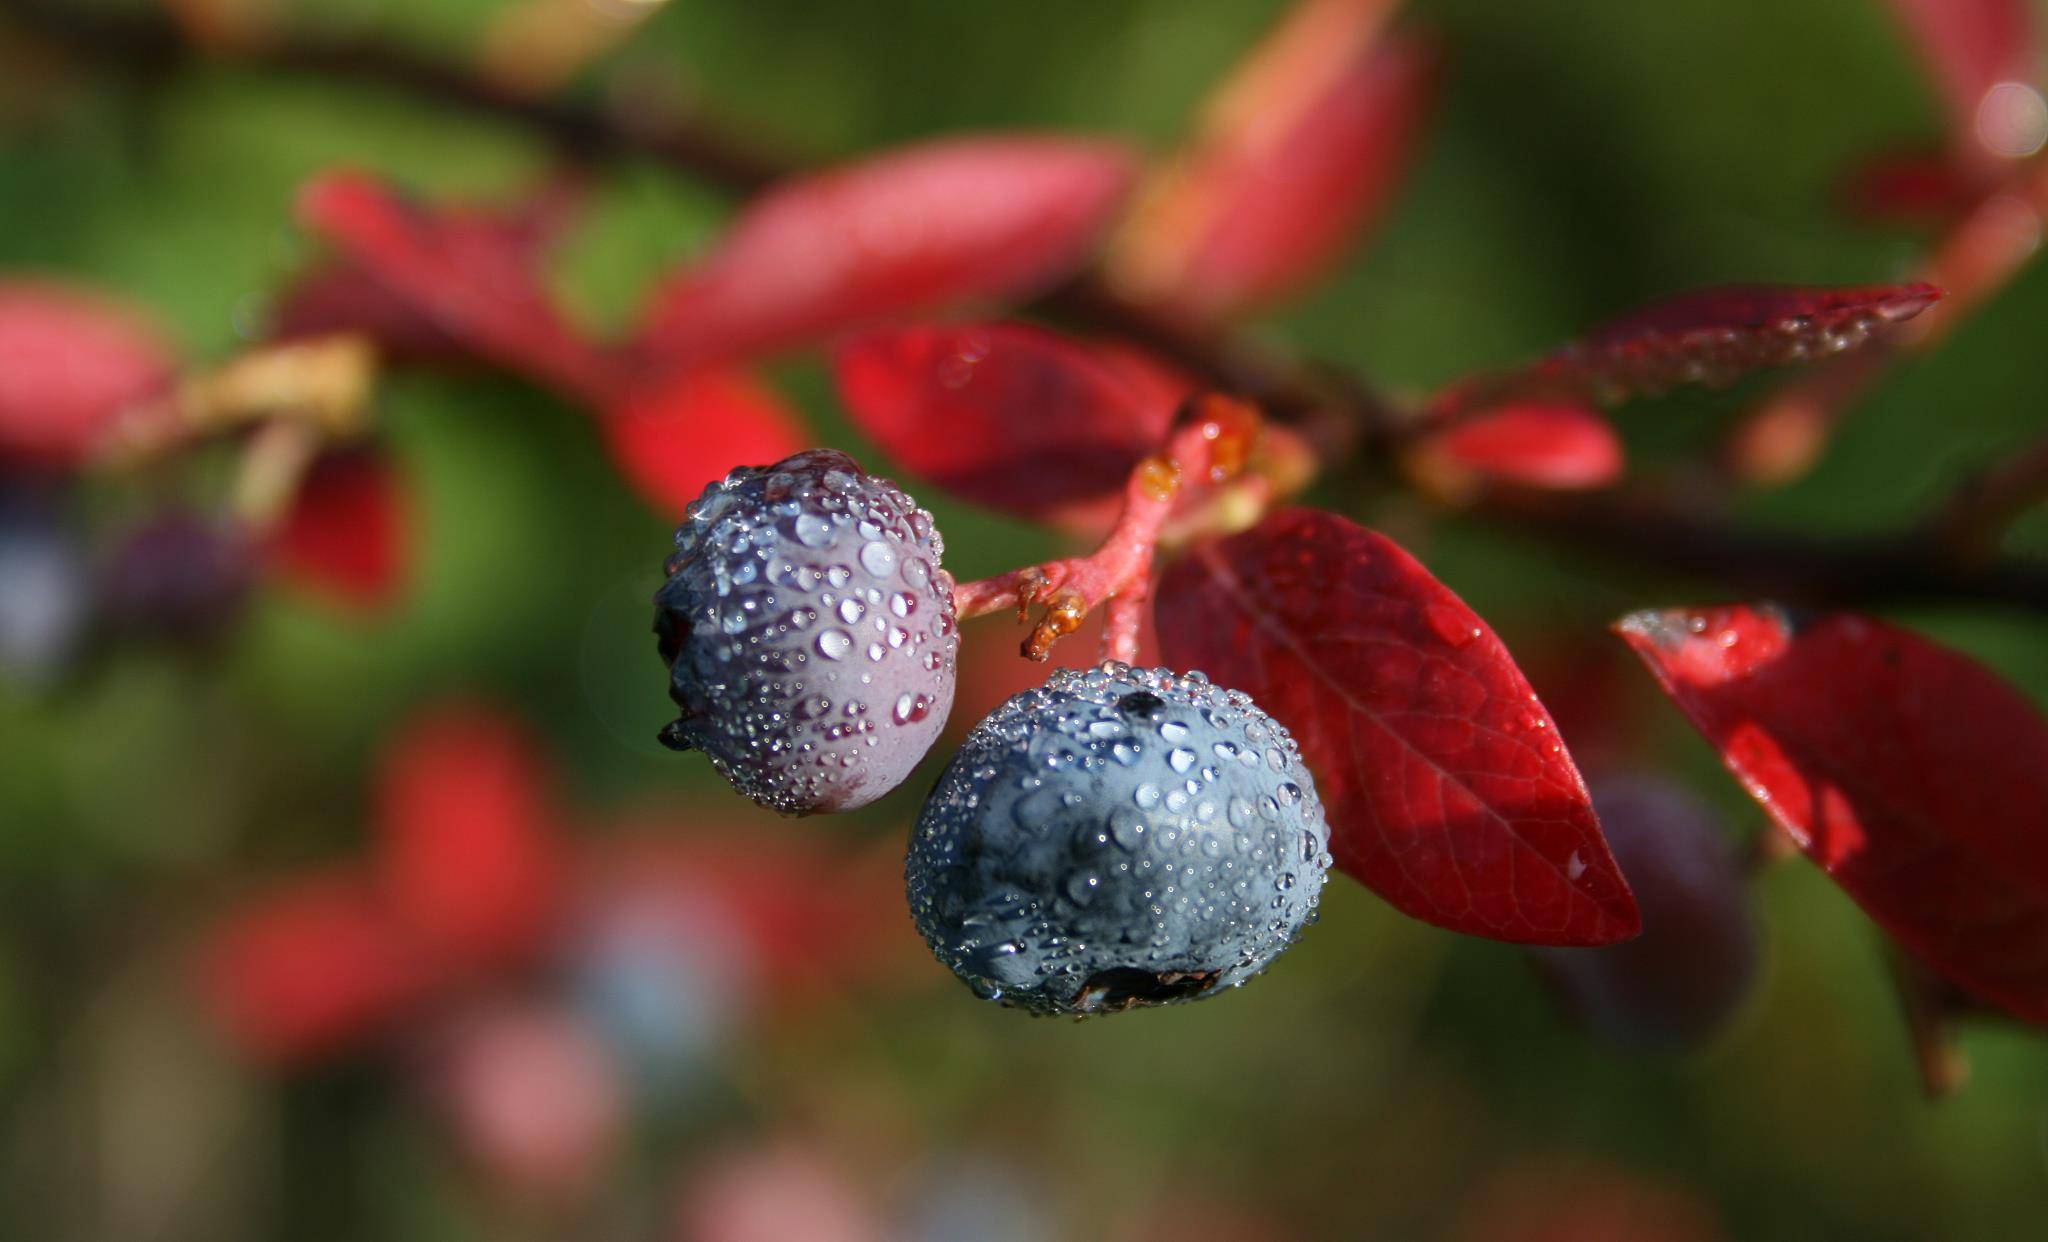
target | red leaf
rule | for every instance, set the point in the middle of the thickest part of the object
(1299, 154)
(466, 848)
(931, 226)
(1535, 442)
(464, 271)
(1448, 791)
(1913, 189)
(339, 296)
(1912, 775)
(1970, 46)
(347, 535)
(1005, 414)
(1717, 335)
(309, 970)
(672, 437)
(71, 360)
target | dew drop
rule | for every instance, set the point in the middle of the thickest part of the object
(834, 644)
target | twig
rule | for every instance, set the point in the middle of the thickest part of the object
(1984, 505)
(1211, 446)
(1832, 570)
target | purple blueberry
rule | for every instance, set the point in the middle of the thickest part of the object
(1118, 838)
(1681, 980)
(809, 633)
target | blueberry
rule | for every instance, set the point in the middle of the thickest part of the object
(1688, 973)
(45, 592)
(809, 633)
(1118, 838)
(181, 576)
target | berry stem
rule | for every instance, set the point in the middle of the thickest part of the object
(1210, 445)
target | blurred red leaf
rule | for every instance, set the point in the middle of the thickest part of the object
(466, 849)
(672, 437)
(346, 536)
(1719, 334)
(1534, 442)
(1914, 189)
(1911, 774)
(340, 296)
(925, 227)
(1970, 46)
(1299, 153)
(1448, 791)
(309, 970)
(470, 274)
(71, 360)
(1006, 414)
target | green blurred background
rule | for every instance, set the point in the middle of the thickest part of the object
(1585, 156)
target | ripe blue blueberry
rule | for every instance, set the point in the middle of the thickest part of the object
(1119, 837)
(809, 633)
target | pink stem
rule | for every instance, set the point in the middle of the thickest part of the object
(1209, 446)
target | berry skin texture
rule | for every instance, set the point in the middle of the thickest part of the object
(809, 633)
(1118, 838)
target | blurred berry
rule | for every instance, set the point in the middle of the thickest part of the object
(181, 576)
(1683, 978)
(775, 1194)
(45, 584)
(809, 633)
(533, 1099)
(1119, 838)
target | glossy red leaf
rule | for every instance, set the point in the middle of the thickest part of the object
(1537, 442)
(310, 970)
(1005, 414)
(71, 360)
(945, 223)
(347, 536)
(1299, 154)
(1717, 335)
(465, 837)
(1970, 47)
(680, 432)
(1448, 791)
(473, 278)
(1915, 777)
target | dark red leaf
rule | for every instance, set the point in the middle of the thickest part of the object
(1717, 335)
(1537, 442)
(1299, 154)
(937, 225)
(677, 434)
(309, 970)
(466, 848)
(471, 277)
(1970, 46)
(1912, 775)
(347, 536)
(71, 361)
(1448, 790)
(1005, 414)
